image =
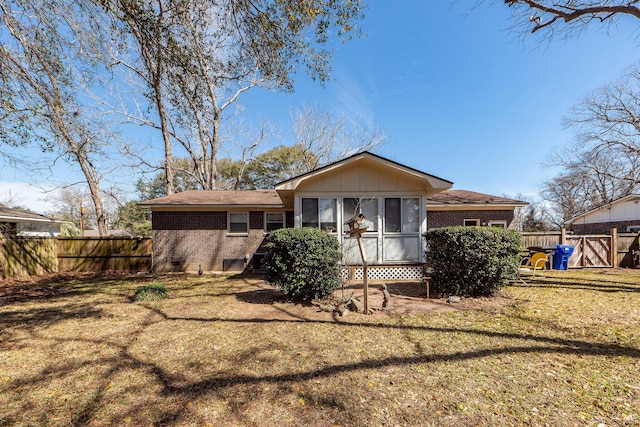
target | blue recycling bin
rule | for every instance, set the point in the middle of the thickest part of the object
(561, 257)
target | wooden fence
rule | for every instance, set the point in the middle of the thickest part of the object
(591, 250)
(103, 253)
(25, 256)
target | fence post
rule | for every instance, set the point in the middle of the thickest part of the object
(2, 264)
(614, 247)
(563, 236)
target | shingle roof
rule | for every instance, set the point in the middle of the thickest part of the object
(465, 197)
(217, 198)
(7, 214)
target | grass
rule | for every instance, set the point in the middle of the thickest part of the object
(151, 292)
(562, 350)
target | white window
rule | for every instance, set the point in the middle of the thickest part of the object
(238, 222)
(402, 215)
(273, 221)
(319, 213)
(367, 207)
(498, 224)
(471, 223)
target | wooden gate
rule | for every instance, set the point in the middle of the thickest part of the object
(590, 251)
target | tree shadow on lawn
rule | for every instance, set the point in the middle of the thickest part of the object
(180, 392)
(36, 288)
(554, 282)
(36, 318)
(174, 388)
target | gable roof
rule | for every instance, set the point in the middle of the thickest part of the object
(216, 199)
(17, 215)
(366, 156)
(450, 199)
(633, 197)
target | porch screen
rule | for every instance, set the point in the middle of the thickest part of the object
(318, 212)
(402, 215)
(367, 207)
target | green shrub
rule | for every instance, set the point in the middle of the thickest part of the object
(151, 292)
(302, 262)
(472, 261)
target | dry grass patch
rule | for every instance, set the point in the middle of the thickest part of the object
(564, 350)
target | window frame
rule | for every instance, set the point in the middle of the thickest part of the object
(402, 212)
(246, 222)
(476, 220)
(282, 223)
(318, 214)
(497, 223)
(360, 201)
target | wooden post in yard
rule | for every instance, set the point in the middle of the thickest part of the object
(365, 274)
(356, 228)
(613, 256)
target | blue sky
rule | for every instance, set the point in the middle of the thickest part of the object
(459, 96)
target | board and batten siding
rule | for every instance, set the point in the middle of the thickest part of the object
(364, 181)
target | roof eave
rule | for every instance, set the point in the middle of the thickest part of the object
(605, 206)
(465, 206)
(23, 219)
(436, 183)
(208, 206)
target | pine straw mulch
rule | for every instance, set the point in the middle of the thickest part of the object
(564, 349)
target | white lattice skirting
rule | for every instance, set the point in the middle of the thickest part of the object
(382, 272)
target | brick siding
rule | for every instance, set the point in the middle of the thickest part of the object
(189, 220)
(439, 219)
(183, 241)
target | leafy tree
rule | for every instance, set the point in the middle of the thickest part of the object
(278, 164)
(133, 219)
(47, 64)
(200, 57)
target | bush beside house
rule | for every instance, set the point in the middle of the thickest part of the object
(472, 261)
(302, 262)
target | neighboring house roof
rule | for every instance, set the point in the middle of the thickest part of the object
(436, 183)
(464, 199)
(110, 233)
(16, 215)
(634, 197)
(216, 199)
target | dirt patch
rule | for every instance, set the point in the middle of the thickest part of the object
(266, 302)
(259, 300)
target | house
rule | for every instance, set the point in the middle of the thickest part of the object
(622, 214)
(224, 230)
(469, 208)
(14, 222)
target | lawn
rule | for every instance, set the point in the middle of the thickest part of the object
(563, 350)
